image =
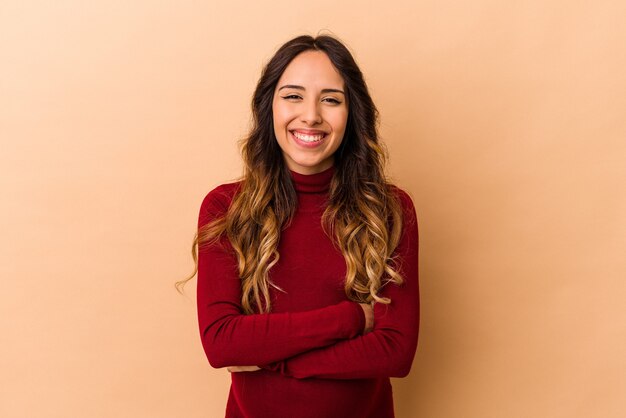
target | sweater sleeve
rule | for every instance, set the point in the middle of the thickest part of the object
(231, 338)
(389, 349)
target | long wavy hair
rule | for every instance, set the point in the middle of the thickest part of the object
(363, 217)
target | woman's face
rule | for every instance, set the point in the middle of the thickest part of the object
(310, 112)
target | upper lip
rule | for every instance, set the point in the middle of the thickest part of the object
(309, 131)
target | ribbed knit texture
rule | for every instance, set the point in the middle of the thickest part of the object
(315, 361)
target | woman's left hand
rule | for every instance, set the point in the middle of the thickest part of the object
(243, 368)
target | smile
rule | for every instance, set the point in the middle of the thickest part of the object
(308, 138)
(308, 141)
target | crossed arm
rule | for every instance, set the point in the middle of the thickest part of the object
(323, 343)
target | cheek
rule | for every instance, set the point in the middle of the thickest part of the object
(280, 124)
(281, 111)
(276, 109)
(279, 115)
(339, 121)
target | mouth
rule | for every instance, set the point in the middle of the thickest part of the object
(309, 138)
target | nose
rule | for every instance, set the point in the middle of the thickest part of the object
(310, 113)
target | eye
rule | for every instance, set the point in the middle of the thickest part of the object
(291, 96)
(334, 101)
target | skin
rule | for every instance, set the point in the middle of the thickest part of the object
(309, 107)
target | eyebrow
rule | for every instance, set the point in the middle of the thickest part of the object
(293, 86)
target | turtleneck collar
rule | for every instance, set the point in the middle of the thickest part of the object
(313, 183)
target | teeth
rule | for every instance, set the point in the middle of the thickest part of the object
(308, 138)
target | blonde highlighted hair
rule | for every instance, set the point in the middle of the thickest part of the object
(363, 217)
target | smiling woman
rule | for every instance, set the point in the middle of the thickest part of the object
(308, 265)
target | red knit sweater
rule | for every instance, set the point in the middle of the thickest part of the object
(315, 361)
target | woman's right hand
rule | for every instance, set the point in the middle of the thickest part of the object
(369, 317)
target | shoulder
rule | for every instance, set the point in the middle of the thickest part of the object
(216, 202)
(406, 201)
(403, 195)
(221, 196)
(405, 198)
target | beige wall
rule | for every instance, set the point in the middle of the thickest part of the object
(504, 120)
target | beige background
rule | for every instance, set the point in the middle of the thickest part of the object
(504, 120)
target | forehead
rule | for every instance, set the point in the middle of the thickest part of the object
(312, 69)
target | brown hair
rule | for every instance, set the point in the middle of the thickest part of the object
(363, 216)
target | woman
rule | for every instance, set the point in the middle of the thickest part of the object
(308, 265)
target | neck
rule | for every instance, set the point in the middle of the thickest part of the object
(313, 183)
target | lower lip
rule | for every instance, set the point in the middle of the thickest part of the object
(313, 144)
